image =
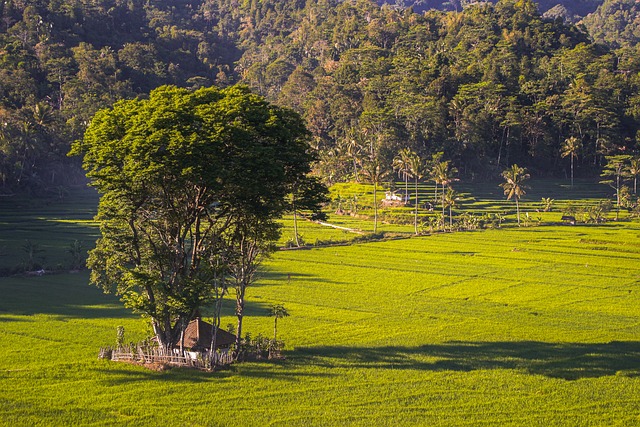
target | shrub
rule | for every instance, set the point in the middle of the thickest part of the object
(259, 348)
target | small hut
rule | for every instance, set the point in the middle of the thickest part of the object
(198, 337)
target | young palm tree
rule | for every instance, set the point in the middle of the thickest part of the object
(450, 198)
(571, 147)
(401, 164)
(416, 169)
(278, 312)
(513, 185)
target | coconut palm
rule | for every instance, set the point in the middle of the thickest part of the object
(353, 149)
(416, 170)
(278, 312)
(634, 171)
(571, 147)
(401, 164)
(431, 165)
(375, 171)
(513, 185)
(444, 175)
(450, 197)
(616, 170)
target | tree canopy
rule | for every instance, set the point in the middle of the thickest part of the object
(489, 85)
(191, 184)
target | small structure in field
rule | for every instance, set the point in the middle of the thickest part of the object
(569, 219)
(194, 349)
(395, 198)
(198, 337)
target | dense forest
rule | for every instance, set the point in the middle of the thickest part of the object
(486, 84)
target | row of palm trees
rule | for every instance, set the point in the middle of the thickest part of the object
(572, 146)
(408, 165)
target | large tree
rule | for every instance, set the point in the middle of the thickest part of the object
(188, 178)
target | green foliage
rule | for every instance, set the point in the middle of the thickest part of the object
(487, 84)
(190, 182)
(119, 336)
(513, 184)
(547, 204)
(614, 23)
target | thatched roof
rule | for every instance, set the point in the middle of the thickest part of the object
(198, 336)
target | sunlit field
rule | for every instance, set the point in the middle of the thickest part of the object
(512, 326)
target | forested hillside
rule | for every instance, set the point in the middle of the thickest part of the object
(573, 10)
(615, 23)
(489, 85)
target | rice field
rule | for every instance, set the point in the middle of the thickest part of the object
(514, 326)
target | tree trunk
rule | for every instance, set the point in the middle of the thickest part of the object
(518, 211)
(295, 223)
(443, 223)
(415, 217)
(406, 188)
(572, 171)
(239, 314)
(216, 324)
(375, 208)
(275, 328)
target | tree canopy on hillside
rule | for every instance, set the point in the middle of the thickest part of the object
(489, 85)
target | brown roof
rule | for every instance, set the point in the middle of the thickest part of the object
(198, 336)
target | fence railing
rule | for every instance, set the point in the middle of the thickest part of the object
(143, 355)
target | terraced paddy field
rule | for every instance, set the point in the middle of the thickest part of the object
(516, 326)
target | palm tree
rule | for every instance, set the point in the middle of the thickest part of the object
(450, 198)
(571, 147)
(617, 170)
(278, 312)
(435, 160)
(374, 170)
(353, 148)
(513, 185)
(416, 170)
(444, 175)
(401, 164)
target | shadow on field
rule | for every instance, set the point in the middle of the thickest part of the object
(65, 295)
(568, 361)
(267, 370)
(283, 277)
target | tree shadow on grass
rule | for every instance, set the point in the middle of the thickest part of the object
(276, 370)
(289, 277)
(64, 295)
(568, 361)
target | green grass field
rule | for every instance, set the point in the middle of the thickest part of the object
(534, 326)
